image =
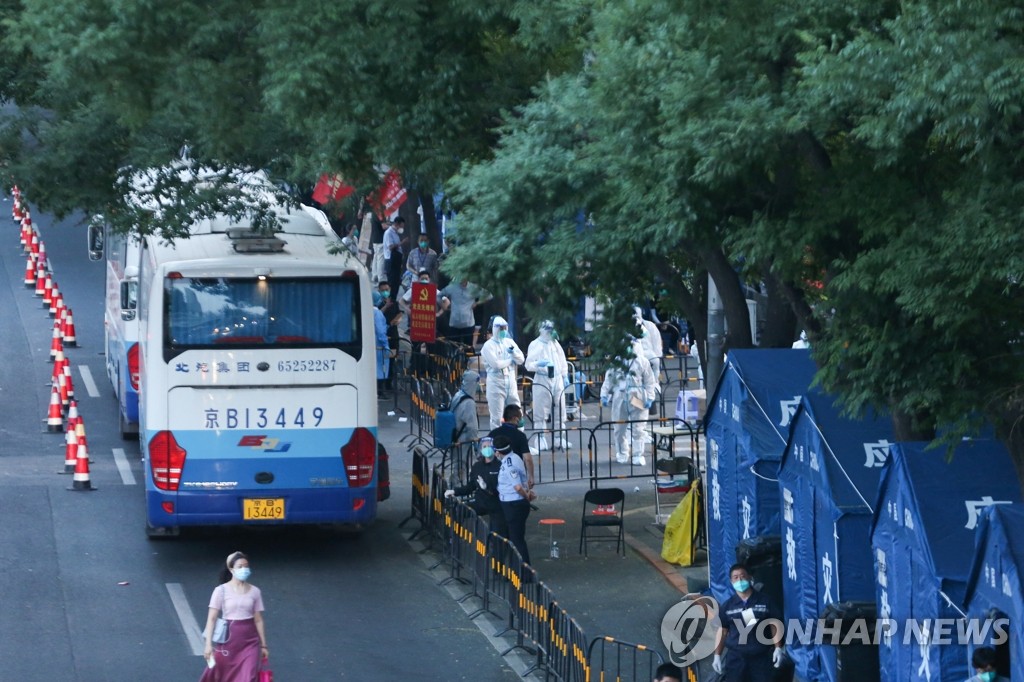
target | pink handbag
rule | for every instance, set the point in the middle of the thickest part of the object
(266, 674)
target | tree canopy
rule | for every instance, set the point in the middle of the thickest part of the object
(858, 163)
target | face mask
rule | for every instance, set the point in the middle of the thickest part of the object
(521, 423)
(401, 230)
(487, 452)
(988, 676)
(385, 294)
(423, 245)
(424, 281)
(502, 334)
(355, 234)
(242, 573)
(741, 585)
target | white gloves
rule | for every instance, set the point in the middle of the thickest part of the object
(777, 656)
(716, 664)
(448, 494)
(481, 482)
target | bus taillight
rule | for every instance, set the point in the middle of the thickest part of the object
(359, 455)
(133, 366)
(167, 459)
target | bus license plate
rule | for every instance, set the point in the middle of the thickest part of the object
(263, 509)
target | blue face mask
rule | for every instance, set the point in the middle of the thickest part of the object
(741, 585)
(242, 573)
(487, 452)
(988, 676)
(521, 423)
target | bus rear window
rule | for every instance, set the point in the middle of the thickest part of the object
(254, 313)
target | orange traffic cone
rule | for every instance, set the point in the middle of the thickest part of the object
(54, 418)
(56, 343)
(69, 329)
(80, 432)
(30, 272)
(58, 364)
(47, 291)
(26, 225)
(69, 382)
(16, 214)
(40, 278)
(73, 415)
(33, 244)
(62, 389)
(70, 451)
(54, 295)
(41, 256)
(58, 313)
(81, 478)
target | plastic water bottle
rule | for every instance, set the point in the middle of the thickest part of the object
(554, 550)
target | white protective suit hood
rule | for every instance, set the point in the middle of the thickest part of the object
(470, 382)
(499, 321)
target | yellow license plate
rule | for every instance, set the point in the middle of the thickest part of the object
(263, 509)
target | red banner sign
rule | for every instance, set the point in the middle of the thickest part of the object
(423, 315)
(331, 188)
(386, 199)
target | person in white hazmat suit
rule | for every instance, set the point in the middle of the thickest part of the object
(628, 389)
(500, 356)
(546, 359)
(650, 339)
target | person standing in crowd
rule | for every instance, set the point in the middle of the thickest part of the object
(483, 485)
(394, 320)
(984, 662)
(383, 352)
(464, 298)
(351, 239)
(650, 340)
(515, 494)
(748, 658)
(240, 603)
(501, 356)
(423, 258)
(394, 257)
(511, 428)
(382, 297)
(667, 672)
(463, 406)
(546, 359)
(628, 389)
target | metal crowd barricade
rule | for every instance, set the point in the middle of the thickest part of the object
(606, 468)
(460, 526)
(611, 659)
(420, 507)
(566, 646)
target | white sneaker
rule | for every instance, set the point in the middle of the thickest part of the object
(621, 458)
(639, 461)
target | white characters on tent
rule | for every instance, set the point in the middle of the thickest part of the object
(876, 453)
(974, 508)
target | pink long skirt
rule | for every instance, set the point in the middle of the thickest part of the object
(238, 659)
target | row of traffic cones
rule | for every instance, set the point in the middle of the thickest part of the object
(62, 414)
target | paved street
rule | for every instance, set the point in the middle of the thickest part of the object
(88, 598)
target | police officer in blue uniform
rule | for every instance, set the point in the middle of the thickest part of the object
(753, 649)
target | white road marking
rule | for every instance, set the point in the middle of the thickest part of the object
(90, 384)
(188, 621)
(127, 477)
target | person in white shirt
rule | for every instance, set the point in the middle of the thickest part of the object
(546, 359)
(984, 662)
(394, 259)
(501, 356)
(464, 298)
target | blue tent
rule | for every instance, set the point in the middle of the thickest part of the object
(828, 482)
(997, 575)
(923, 541)
(747, 425)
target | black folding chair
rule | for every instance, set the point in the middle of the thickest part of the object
(602, 509)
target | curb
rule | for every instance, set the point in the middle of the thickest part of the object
(667, 570)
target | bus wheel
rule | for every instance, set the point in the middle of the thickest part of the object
(162, 532)
(128, 431)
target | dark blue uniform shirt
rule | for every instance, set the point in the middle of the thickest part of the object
(735, 630)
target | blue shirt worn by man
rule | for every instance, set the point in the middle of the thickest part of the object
(741, 619)
(512, 474)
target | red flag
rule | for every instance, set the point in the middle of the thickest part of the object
(331, 188)
(387, 198)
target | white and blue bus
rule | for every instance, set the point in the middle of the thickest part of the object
(120, 253)
(258, 400)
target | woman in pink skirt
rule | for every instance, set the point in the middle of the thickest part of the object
(238, 659)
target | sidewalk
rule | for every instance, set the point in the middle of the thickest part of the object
(607, 594)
